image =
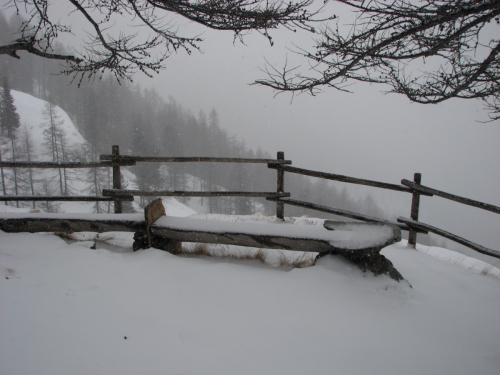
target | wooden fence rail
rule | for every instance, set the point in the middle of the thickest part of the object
(453, 237)
(123, 158)
(183, 193)
(61, 198)
(424, 189)
(341, 178)
(68, 165)
(344, 213)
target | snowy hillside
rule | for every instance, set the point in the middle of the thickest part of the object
(30, 110)
(33, 113)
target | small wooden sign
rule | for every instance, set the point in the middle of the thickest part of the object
(152, 212)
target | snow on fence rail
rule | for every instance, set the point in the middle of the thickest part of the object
(118, 195)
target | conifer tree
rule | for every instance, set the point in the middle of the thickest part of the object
(9, 118)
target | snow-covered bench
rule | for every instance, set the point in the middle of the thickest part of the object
(358, 242)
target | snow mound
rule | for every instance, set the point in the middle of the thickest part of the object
(473, 264)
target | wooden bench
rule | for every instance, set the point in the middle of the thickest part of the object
(358, 242)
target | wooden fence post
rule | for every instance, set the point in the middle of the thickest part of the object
(415, 205)
(280, 207)
(117, 179)
(3, 178)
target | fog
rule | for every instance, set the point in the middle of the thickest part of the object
(365, 134)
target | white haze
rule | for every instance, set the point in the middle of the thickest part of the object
(365, 134)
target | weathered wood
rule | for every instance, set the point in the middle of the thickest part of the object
(456, 198)
(167, 193)
(117, 180)
(162, 159)
(280, 207)
(451, 236)
(168, 233)
(46, 164)
(341, 178)
(344, 213)
(152, 212)
(67, 223)
(415, 205)
(282, 236)
(62, 198)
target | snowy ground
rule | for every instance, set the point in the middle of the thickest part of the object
(67, 309)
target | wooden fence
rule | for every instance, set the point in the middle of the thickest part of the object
(118, 195)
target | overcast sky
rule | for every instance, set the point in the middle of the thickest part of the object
(365, 134)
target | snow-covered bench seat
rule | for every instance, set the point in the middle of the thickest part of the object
(340, 237)
(358, 242)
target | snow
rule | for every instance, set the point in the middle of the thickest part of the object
(345, 236)
(175, 208)
(67, 309)
(465, 261)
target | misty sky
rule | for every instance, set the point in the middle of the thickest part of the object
(365, 134)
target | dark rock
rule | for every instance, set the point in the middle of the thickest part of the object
(375, 262)
(140, 241)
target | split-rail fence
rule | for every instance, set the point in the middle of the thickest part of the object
(281, 165)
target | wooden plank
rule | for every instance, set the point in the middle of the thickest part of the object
(167, 193)
(451, 236)
(165, 159)
(372, 236)
(456, 198)
(46, 164)
(341, 178)
(33, 223)
(415, 205)
(62, 198)
(344, 213)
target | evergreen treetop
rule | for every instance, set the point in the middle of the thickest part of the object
(9, 118)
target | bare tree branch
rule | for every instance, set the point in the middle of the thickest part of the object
(153, 40)
(390, 42)
(11, 50)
